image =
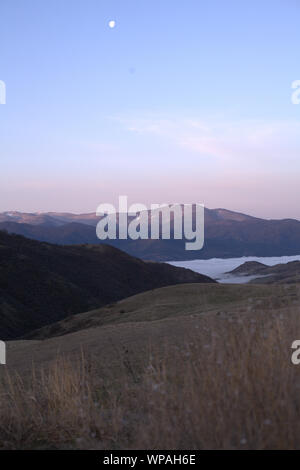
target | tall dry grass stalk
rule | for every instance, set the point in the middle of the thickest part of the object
(229, 385)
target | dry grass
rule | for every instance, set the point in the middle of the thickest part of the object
(229, 385)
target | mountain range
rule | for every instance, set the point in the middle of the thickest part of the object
(227, 234)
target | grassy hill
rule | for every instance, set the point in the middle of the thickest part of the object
(190, 366)
(170, 302)
(149, 317)
(42, 283)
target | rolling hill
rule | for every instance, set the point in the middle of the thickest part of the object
(173, 303)
(280, 273)
(151, 319)
(42, 283)
(182, 367)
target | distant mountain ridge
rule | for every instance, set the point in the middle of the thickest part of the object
(61, 218)
(47, 218)
(227, 234)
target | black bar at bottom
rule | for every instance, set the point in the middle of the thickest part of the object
(135, 458)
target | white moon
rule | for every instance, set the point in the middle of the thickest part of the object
(112, 24)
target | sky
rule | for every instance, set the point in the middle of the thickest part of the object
(182, 101)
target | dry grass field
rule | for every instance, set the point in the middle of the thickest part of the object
(188, 367)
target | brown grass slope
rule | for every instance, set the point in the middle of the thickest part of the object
(42, 283)
(173, 302)
(152, 316)
(194, 367)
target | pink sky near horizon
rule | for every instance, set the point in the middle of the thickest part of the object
(237, 195)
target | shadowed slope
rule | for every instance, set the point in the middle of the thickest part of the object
(42, 283)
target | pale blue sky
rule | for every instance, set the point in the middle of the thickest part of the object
(183, 101)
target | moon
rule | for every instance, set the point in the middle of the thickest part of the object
(111, 23)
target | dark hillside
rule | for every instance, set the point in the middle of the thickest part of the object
(42, 283)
